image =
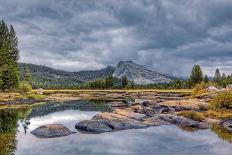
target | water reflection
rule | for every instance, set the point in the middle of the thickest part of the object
(8, 127)
(222, 133)
(16, 125)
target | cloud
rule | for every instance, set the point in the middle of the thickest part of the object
(165, 35)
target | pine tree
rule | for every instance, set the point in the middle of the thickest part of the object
(9, 54)
(196, 75)
(206, 79)
(109, 82)
(217, 76)
(27, 75)
(124, 82)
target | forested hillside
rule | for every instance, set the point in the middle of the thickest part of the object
(46, 77)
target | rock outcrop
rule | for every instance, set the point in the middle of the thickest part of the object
(51, 131)
(139, 74)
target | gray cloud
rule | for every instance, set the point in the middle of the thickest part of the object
(164, 35)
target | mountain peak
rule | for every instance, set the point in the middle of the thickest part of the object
(139, 74)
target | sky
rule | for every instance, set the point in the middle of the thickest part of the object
(168, 36)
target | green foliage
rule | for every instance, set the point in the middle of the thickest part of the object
(27, 75)
(196, 75)
(197, 116)
(222, 100)
(217, 76)
(9, 77)
(124, 82)
(36, 97)
(206, 79)
(9, 55)
(109, 81)
(24, 88)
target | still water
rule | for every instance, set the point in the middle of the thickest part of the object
(16, 125)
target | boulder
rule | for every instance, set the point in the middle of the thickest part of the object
(107, 122)
(51, 131)
(227, 124)
(93, 126)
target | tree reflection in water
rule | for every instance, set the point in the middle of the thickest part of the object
(9, 119)
(222, 133)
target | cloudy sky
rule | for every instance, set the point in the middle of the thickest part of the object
(169, 36)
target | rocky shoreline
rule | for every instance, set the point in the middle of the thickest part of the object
(136, 117)
(143, 115)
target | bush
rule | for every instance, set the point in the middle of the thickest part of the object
(35, 97)
(192, 115)
(24, 88)
(200, 88)
(222, 100)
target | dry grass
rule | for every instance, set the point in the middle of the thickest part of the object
(219, 114)
(197, 116)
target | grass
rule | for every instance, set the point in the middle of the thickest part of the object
(17, 106)
(119, 90)
(197, 116)
(219, 113)
(222, 101)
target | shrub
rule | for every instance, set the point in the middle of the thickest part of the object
(222, 100)
(35, 96)
(24, 88)
(200, 88)
(197, 116)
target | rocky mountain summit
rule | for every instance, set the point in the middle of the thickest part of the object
(139, 74)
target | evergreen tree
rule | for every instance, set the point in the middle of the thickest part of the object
(27, 75)
(9, 54)
(196, 75)
(217, 76)
(124, 82)
(109, 82)
(206, 79)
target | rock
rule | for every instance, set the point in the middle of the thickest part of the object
(138, 109)
(51, 131)
(93, 126)
(148, 111)
(183, 121)
(162, 109)
(227, 124)
(130, 114)
(203, 125)
(107, 122)
(39, 91)
(212, 88)
(119, 122)
(116, 104)
(146, 103)
(228, 87)
(155, 121)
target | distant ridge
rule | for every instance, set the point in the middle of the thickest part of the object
(43, 75)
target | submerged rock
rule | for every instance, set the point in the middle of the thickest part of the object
(51, 131)
(227, 124)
